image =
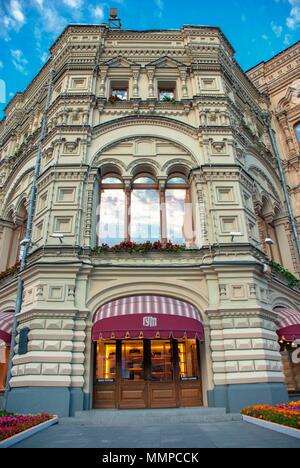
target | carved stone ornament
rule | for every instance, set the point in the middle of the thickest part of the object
(218, 147)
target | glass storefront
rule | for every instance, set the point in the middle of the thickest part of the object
(138, 373)
(4, 357)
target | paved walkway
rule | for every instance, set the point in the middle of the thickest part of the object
(233, 434)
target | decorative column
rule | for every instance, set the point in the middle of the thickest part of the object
(151, 73)
(163, 213)
(183, 77)
(127, 182)
(201, 225)
(102, 73)
(135, 75)
(283, 120)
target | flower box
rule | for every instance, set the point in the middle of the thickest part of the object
(19, 436)
(273, 426)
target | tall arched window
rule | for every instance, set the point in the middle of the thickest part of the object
(112, 211)
(297, 130)
(145, 211)
(179, 211)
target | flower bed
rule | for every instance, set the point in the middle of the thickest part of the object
(11, 425)
(133, 247)
(285, 414)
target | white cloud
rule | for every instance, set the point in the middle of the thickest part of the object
(12, 17)
(1, 64)
(293, 21)
(97, 12)
(15, 10)
(73, 3)
(287, 40)
(19, 61)
(160, 7)
(277, 30)
(39, 2)
(44, 57)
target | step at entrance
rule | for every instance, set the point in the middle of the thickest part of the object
(150, 417)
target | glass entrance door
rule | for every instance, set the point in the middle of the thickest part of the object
(147, 374)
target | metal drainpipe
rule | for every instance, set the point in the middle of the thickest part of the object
(28, 236)
(283, 182)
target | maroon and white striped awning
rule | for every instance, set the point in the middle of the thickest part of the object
(288, 323)
(147, 317)
(6, 323)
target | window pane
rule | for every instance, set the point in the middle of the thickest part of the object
(145, 215)
(144, 180)
(112, 216)
(106, 360)
(161, 361)
(111, 180)
(179, 217)
(176, 180)
(166, 94)
(133, 360)
(298, 132)
(120, 94)
(188, 360)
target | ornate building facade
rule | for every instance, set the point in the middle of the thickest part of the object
(279, 80)
(156, 138)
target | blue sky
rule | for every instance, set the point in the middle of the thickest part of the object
(257, 29)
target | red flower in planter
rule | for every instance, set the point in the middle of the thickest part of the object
(14, 424)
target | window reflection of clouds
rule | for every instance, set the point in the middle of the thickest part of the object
(176, 180)
(112, 216)
(175, 201)
(179, 216)
(145, 215)
(144, 180)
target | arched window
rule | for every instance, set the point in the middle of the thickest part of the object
(145, 211)
(297, 130)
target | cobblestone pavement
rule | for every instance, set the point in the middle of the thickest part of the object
(233, 434)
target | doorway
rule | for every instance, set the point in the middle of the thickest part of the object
(144, 373)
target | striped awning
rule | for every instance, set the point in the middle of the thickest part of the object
(288, 323)
(6, 323)
(147, 317)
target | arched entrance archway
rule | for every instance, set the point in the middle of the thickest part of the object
(288, 331)
(147, 353)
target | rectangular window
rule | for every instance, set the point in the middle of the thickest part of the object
(161, 361)
(119, 90)
(106, 361)
(120, 94)
(166, 90)
(188, 361)
(133, 360)
(166, 95)
(145, 215)
(112, 216)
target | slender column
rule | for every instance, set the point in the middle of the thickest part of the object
(163, 213)
(127, 209)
